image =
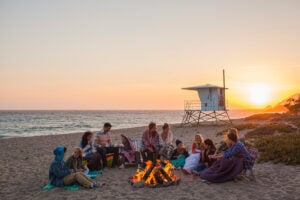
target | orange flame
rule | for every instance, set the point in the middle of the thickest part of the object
(151, 179)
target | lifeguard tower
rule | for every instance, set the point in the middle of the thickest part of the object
(211, 106)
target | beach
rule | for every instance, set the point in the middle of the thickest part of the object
(25, 162)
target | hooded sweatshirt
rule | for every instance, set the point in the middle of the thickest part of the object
(58, 168)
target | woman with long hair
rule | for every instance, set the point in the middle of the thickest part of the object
(166, 143)
(75, 161)
(192, 162)
(205, 161)
(88, 151)
(229, 163)
(127, 152)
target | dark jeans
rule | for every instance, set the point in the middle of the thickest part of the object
(93, 161)
(148, 155)
(200, 168)
(105, 150)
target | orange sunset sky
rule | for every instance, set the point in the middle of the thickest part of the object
(139, 54)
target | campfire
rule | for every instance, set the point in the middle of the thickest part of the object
(155, 175)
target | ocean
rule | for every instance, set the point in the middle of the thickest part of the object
(34, 123)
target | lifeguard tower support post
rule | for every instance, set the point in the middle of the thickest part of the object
(211, 106)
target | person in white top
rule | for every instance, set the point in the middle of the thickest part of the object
(166, 136)
(166, 142)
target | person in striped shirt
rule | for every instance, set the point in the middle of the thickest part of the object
(103, 144)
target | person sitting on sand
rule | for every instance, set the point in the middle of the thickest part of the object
(192, 162)
(179, 155)
(205, 162)
(166, 143)
(127, 152)
(150, 143)
(104, 145)
(88, 151)
(60, 175)
(230, 163)
(75, 161)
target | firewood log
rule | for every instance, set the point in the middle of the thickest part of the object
(158, 178)
(165, 174)
(148, 172)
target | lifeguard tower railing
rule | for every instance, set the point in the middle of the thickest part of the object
(190, 105)
(196, 112)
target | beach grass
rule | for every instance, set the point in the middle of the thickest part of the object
(284, 148)
(270, 129)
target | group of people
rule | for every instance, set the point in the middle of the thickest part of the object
(203, 160)
(90, 154)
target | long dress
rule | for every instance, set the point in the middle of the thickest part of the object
(192, 162)
(229, 166)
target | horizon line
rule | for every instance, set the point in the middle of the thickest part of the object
(114, 109)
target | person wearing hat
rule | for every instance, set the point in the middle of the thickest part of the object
(179, 155)
(60, 175)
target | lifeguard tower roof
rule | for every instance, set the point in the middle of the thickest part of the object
(202, 87)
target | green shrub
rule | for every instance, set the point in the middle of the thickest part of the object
(283, 148)
(270, 129)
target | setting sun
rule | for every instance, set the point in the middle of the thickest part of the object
(259, 94)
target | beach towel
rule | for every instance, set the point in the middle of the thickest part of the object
(91, 174)
(67, 187)
(94, 174)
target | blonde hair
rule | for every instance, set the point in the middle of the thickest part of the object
(79, 150)
(198, 142)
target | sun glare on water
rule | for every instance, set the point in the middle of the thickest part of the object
(259, 94)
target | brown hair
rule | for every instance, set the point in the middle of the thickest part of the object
(85, 138)
(107, 125)
(210, 143)
(151, 125)
(166, 125)
(233, 134)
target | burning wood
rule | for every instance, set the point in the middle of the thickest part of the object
(155, 175)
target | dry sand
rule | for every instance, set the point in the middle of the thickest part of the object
(24, 166)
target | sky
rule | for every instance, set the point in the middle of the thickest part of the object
(71, 54)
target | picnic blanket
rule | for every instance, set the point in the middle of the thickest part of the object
(91, 174)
